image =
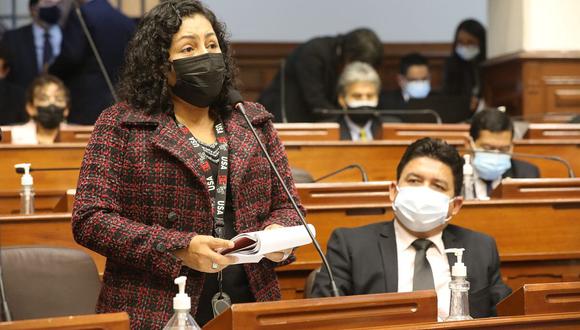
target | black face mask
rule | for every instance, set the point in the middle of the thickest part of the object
(199, 78)
(50, 15)
(50, 116)
(360, 118)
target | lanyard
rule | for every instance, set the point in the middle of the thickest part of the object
(217, 190)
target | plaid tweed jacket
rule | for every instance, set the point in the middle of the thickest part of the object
(141, 194)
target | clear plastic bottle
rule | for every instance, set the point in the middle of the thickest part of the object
(27, 190)
(468, 179)
(459, 305)
(181, 319)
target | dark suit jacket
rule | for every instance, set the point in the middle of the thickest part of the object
(376, 128)
(142, 194)
(364, 261)
(77, 66)
(312, 71)
(12, 102)
(521, 169)
(20, 44)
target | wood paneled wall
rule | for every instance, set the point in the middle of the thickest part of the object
(259, 63)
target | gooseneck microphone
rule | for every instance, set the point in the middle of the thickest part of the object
(362, 171)
(561, 160)
(235, 99)
(95, 50)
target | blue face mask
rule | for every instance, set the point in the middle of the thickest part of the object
(418, 89)
(491, 166)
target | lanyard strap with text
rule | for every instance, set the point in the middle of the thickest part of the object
(217, 190)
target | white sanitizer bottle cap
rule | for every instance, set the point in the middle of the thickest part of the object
(181, 301)
(458, 269)
(26, 179)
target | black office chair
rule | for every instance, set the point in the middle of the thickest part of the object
(49, 281)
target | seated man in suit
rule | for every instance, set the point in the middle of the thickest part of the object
(493, 130)
(407, 254)
(11, 95)
(358, 89)
(414, 82)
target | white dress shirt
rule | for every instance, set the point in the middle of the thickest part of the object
(439, 266)
(355, 129)
(26, 133)
(481, 186)
(55, 40)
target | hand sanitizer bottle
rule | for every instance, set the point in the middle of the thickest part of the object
(459, 306)
(468, 179)
(27, 190)
(181, 320)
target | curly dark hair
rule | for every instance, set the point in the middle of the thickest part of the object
(143, 82)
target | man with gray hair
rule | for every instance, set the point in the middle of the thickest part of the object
(358, 89)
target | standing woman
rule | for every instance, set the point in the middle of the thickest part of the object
(160, 166)
(462, 73)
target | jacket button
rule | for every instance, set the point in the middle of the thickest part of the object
(160, 247)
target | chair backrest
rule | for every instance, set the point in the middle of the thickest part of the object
(310, 282)
(49, 281)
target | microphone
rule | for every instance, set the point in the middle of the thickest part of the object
(363, 173)
(21, 170)
(379, 112)
(95, 50)
(235, 99)
(561, 160)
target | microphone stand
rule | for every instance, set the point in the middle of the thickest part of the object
(239, 105)
(357, 166)
(95, 51)
(378, 112)
(283, 91)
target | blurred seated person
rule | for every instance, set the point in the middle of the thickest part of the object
(414, 82)
(11, 95)
(311, 73)
(47, 105)
(407, 254)
(492, 130)
(358, 89)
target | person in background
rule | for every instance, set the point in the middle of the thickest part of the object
(312, 70)
(407, 254)
(462, 71)
(160, 166)
(414, 80)
(358, 89)
(77, 65)
(493, 130)
(11, 95)
(47, 105)
(35, 46)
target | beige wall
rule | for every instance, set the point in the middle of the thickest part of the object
(532, 25)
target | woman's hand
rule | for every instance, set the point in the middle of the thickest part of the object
(277, 256)
(201, 254)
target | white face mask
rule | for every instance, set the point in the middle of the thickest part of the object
(467, 53)
(355, 104)
(421, 209)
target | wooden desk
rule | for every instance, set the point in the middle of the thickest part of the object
(541, 299)
(331, 313)
(75, 134)
(6, 136)
(553, 131)
(42, 156)
(528, 322)
(308, 131)
(563, 189)
(111, 321)
(45, 201)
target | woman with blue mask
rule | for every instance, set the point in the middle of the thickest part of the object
(462, 73)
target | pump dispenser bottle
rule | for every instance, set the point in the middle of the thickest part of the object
(27, 190)
(181, 320)
(459, 306)
(468, 179)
